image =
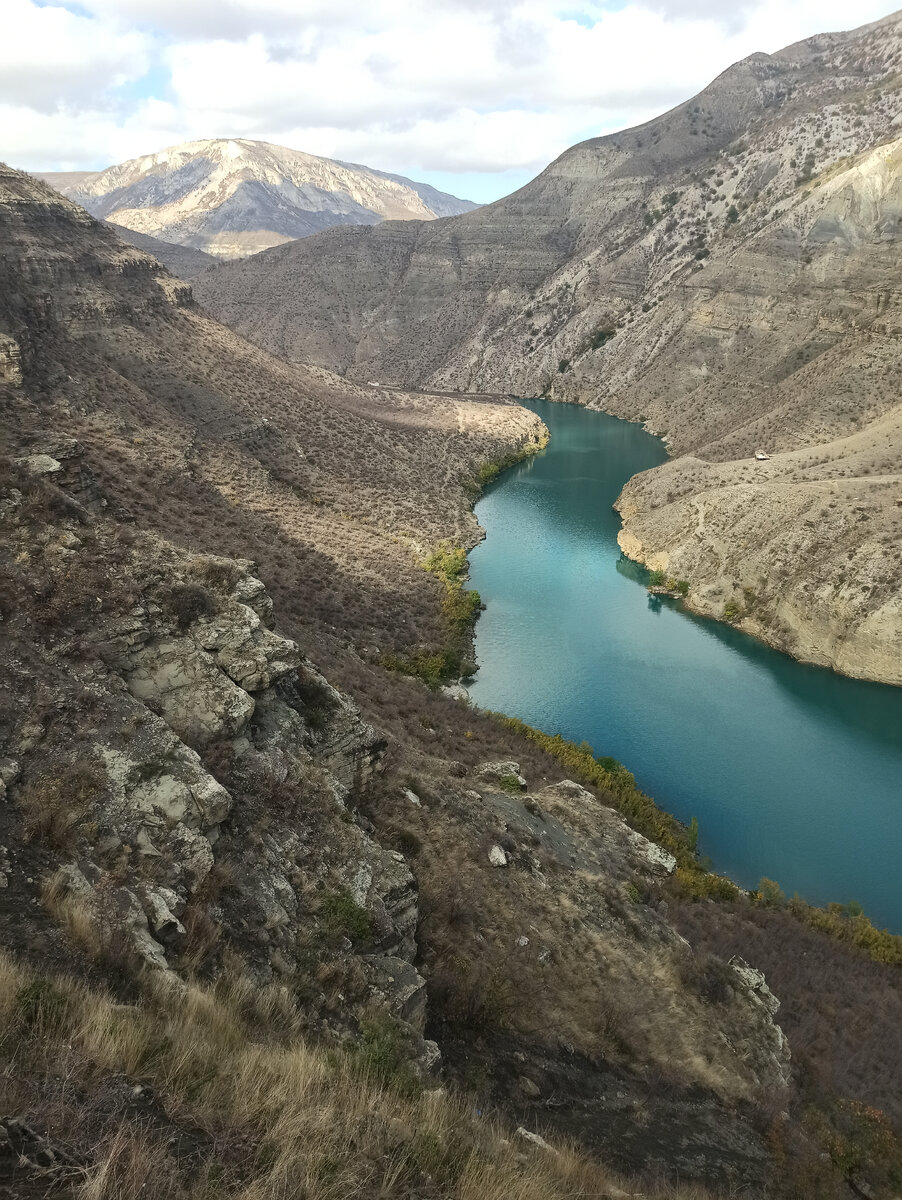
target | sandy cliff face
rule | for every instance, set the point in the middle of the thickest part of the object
(725, 273)
(770, 347)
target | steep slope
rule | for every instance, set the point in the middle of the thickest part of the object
(790, 342)
(234, 197)
(344, 469)
(723, 273)
(169, 755)
(181, 261)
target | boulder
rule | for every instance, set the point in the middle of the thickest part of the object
(497, 857)
(250, 654)
(183, 684)
(504, 774)
(402, 988)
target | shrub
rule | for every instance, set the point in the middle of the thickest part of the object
(696, 884)
(319, 704)
(448, 562)
(55, 809)
(188, 602)
(380, 1054)
(342, 917)
(600, 336)
(509, 783)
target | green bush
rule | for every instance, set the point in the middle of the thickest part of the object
(342, 917)
(448, 562)
(510, 783)
(600, 336)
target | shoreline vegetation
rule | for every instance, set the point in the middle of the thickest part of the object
(454, 659)
(693, 878)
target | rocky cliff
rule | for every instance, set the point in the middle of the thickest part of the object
(231, 197)
(723, 273)
(184, 792)
(181, 261)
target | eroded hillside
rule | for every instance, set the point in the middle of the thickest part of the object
(724, 273)
(354, 886)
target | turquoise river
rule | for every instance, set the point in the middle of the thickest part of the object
(794, 773)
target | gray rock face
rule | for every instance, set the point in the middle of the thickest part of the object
(189, 691)
(156, 818)
(506, 774)
(249, 653)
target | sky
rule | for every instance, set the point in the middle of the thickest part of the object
(473, 96)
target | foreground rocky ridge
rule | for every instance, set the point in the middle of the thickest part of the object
(182, 790)
(721, 273)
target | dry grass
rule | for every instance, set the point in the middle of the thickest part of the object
(266, 1119)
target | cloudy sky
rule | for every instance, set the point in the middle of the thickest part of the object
(474, 96)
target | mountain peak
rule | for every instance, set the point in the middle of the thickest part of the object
(235, 196)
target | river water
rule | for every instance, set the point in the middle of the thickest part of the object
(794, 773)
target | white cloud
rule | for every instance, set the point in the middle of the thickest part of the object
(446, 86)
(49, 56)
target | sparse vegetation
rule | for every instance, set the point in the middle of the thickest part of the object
(188, 602)
(226, 1074)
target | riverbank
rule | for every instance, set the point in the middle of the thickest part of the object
(765, 751)
(802, 568)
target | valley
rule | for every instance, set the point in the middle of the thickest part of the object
(764, 752)
(284, 914)
(724, 274)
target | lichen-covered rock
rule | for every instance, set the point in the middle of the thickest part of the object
(184, 685)
(504, 774)
(497, 857)
(381, 882)
(251, 591)
(250, 654)
(403, 989)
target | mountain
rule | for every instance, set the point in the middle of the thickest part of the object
(232, 197)
(339, 874)
(724, 273)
